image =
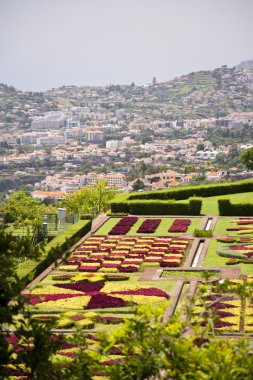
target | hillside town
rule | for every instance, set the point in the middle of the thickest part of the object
(190, 129)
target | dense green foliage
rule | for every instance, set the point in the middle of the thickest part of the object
(158, 207)
(226, 208)
(21, 208)
(203, 233)
(201, 191)
(55, 248)
(92, 200)
(247, 158)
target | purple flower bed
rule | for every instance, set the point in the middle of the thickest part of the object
(84, 268)
(144, 292)
(103, 301)
(149, 226)
(128, 269)
(34, 299)
(169, 264)
(180, 225)
(109, 320)
(82, 286)
(123, 226)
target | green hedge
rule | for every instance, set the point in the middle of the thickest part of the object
(226, 208)
(57, 246)
(154, 207)
(227, 252)
(200, 191)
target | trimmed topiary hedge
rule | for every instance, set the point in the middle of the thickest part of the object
(158, 207)
(56, 247)
(201, 191)
(226, 208)
(226, 252)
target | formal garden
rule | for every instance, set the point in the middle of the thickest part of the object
(103, 274)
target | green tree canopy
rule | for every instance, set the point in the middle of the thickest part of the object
(21, 208)
(93, 199)
(247, 158)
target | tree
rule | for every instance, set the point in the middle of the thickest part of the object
(143, 168)
(21, 208)
(247, 158)
(138, 185)
(93, 199)
(31, 347)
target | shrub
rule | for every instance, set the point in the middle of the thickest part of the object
(202, 191)
(227, 208)
(226, 252)
(55, 249)
(203, 233)
(158, 207)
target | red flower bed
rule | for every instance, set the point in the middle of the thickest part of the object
(34, 299)
(180, 225)
(123, 226)
(149, 226)
(82, 286)
(103, 301)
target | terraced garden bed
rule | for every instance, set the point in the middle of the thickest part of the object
(190, 274)
(234, 226)
(230, 313)
(90, 300)
(162, 228)
(127, 254)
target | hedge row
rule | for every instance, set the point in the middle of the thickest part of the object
(226, 208)
(226, 252)
(57, 246)
(193, 207)
(199, 191)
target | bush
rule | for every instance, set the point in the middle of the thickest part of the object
(226, 208)
(55, 249)
(201, 191)
(226, 252)
(203, 233)
(158, 207)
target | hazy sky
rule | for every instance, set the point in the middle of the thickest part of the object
(49, 43)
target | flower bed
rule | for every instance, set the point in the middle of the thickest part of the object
(180, 225)
(149, 226)
(238, 253)
(67, 302)
(123, 254)
(230, 314)
(245, 226)
(123, 226)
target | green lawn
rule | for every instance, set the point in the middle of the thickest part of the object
(214, 260)
(162, 229)
(224, 223)
(188, 274)
(210, 205)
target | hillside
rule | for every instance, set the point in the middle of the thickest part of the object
(211, 93)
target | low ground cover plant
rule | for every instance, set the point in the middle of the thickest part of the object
(180, 225)
(75, 302)
(244, 226)
(126, 254)
(123, 226)
(229, 308)
(241, 252)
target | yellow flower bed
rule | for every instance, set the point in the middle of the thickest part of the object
(112, 287)
(50, 289)
(68, 268)
(67, 303)
(141, 300)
